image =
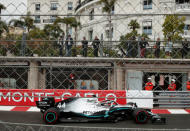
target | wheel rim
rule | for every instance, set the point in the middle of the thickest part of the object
(50, 117)
(141, 117)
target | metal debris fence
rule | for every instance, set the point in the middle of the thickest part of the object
(35, 52)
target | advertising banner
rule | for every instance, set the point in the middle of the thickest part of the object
(22, 97)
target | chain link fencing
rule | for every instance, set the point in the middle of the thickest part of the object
(115, 45)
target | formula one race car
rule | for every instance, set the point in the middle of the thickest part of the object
(90, 109)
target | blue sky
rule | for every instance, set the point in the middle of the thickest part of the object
(13, 7)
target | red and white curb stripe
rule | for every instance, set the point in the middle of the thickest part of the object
(35, 109)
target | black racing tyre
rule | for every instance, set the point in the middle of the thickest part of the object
(140, 116)
(51, 116)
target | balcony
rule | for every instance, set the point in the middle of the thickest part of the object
(37, 21)
(48, 20)
(82, 4)
(185, 7)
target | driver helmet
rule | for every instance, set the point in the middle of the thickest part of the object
(173, 80)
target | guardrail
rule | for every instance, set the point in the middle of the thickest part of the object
(54, 49)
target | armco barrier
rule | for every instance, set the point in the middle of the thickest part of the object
(18, 97)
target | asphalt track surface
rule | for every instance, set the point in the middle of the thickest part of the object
(173, 121)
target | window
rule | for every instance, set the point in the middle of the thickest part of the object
(182, 1)
(113, 10)
(187, 27)
(53, 18)
(53, 6)
(37, 6)
(70, 5)
(91, 14)
(37, 19)
(147, 27)
(90, 35)
(70, 31)
(147, 4)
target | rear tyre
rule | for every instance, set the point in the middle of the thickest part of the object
(51, 116)
(140, 116)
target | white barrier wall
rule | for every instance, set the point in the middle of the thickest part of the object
(144, 103)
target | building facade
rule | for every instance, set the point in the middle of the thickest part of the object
(46, 11)
(150, 14)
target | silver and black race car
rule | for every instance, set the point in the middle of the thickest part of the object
(90, 109)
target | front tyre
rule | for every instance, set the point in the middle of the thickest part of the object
(140, 116)
(51, 116)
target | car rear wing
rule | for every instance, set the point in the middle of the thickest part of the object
(46, 103)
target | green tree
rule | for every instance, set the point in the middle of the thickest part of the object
(75, 24)
(134, 25)
(52, 31)
(108, 6)
(3, 27)
(36, 33)
(69, 21)
(24, 22)
(173, 27)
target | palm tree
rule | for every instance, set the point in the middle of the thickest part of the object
(3, 27)
(2, 7)
(134, 25)
(68, 21)
(24, 22)
(75, 24)
(108, 6)
(52, 30)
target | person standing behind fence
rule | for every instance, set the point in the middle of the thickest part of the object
(149, 85)
(157, 48)
(95, 45)
(84, 47)
(168, 48)
(188, 84)
(143, 44)
(185, 45)
(69, 44)
(129, 47)
(60, 43)
(172, 85)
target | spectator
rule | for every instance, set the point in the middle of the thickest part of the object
(143, 44)
(60, 43)
(72, 81)
(69, 44)
(157, 48)
(149, 85)
(188, 84)
(83, 85)
(172, 86)
(168, 48)
(84, 47)
(95, 45)
(185, 49)
(131, 47)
